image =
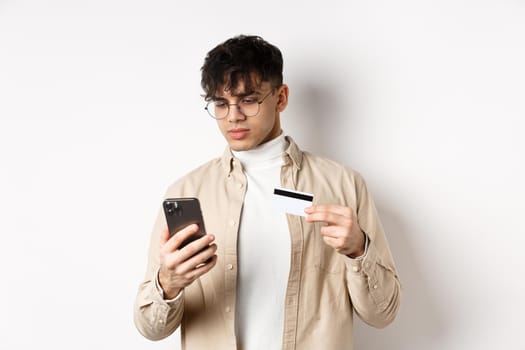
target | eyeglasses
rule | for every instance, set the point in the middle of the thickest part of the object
(248, 106)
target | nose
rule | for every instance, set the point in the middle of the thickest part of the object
(235, 113)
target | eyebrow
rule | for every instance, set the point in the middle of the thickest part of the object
(242, 94)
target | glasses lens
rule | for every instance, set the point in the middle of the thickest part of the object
(217, 109)
(249, 107)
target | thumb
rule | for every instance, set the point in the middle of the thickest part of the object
(164, 235)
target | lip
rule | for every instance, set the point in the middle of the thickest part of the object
(239, 133)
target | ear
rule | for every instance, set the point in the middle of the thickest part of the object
(282, 98)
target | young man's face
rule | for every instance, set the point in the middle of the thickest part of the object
(247, 132)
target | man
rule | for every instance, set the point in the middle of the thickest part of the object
(260, 278)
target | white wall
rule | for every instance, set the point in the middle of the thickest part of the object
(100, 104)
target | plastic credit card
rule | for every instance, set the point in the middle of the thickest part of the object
(291, 202)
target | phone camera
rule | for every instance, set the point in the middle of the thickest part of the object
(171, 207)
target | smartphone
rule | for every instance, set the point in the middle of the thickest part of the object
(181, 212)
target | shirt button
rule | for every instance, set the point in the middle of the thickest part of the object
(232, 223)
(241, 185)
(375, 286)
(228, 309)
(161, 321)
(229, 267)
(355, 268)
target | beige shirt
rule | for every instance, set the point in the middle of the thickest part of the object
(324, 287)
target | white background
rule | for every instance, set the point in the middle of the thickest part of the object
(100, 109)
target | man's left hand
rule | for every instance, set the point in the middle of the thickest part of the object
(341, 231)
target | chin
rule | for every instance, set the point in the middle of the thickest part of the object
(240, 145)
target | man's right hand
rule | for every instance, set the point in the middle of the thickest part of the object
(180, 267)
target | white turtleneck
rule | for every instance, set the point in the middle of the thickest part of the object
(263, 251)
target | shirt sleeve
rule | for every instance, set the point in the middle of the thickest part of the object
(156, 318)
(372, 279)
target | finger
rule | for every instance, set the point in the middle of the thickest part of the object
(178, 258)
(179, 237)
(198, 259)
(195, 247)
(333, 231)
(333, 242)
(183, 267)
(329, 217)
(332, 208)
(201, 270)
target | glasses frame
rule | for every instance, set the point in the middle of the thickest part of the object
(238, 107)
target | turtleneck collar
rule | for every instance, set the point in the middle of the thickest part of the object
(263, 155)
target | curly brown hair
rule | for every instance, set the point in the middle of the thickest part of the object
(240, 59)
